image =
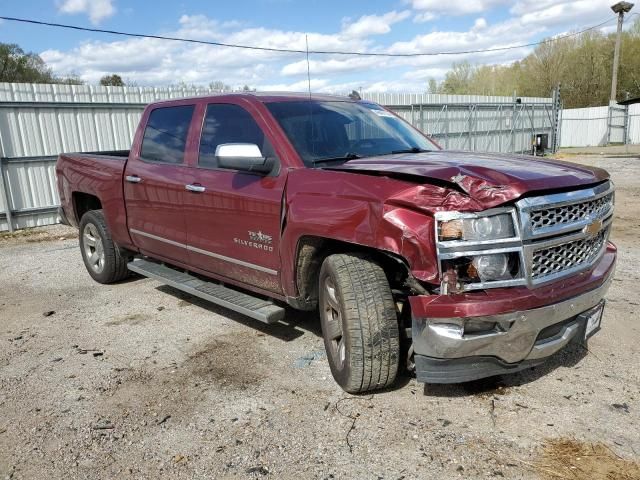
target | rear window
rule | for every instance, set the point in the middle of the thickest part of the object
(165, 135)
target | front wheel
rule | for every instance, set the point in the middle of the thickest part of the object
(359, 323)
(105, 262)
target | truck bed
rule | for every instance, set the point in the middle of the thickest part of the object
(99, 175)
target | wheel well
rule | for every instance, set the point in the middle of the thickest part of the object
(83, 203)
(312, 251)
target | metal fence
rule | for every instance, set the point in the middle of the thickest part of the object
(37, 122)
(482, 127)
(598, 126)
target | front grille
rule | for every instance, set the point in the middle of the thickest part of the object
(568, 214)
(567, 256)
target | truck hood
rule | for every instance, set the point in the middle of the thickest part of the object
(490, 179)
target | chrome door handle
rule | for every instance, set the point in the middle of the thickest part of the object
(195, 188)
(133, 179)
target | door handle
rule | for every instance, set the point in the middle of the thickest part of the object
(133, 179)
(195, 188)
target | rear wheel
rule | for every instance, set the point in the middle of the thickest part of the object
(359, 323)
(105, 262)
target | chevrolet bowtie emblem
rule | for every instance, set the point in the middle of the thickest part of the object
(592, 229)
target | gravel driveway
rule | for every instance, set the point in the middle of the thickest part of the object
(137, 380)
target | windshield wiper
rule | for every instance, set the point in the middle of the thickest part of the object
(409, 150)
(345, 158)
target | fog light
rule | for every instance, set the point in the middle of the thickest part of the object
(491, 267)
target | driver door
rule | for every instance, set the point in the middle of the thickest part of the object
(233, 220)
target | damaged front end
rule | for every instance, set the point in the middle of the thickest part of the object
(517, 284)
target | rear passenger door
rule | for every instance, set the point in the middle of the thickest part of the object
(154, 184)
(233, 223)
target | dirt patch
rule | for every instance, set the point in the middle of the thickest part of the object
(229, 363)
(571, 459)
(486, 387)
(133, 319)
(34, 235)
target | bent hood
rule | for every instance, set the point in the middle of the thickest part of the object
(490, 179)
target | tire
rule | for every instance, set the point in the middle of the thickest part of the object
(105, 262)
(359, 323)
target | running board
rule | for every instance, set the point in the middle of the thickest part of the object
(254, 307)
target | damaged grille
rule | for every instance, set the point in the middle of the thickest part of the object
(567, 214)
(567, 256)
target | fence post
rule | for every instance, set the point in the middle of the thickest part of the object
(555, 119)
(625, 135)
(5, 196)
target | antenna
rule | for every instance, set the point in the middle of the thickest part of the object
(306, 39)
(312, 143)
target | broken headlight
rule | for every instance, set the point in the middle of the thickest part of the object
(479, 250)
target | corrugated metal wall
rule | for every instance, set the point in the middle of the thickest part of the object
(392, 98)
(589, 127)
(584, 127)
(38, 121)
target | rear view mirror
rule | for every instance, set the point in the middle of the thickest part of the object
(245, 157)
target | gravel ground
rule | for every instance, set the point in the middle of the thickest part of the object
(137, 380)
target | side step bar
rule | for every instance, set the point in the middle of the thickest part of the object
(254, 307)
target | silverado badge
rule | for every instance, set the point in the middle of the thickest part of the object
(258, 240)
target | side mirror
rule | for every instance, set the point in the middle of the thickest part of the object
(245, 157)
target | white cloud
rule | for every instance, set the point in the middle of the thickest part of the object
(329, 66)
(480, 36)
(464, 7)
(374, 24)
(479, 24)
(97, 10)
(317, 85)
(561, 12)
(424, 17)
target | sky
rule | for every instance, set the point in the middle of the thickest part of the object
(392, 26)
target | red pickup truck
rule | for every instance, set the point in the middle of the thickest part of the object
(454, 264)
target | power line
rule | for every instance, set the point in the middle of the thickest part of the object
(291, 50)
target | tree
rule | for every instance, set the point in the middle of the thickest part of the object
(19, 66)
(220, 86)
(458, 79)
(113, 80)
(433, 86)
(16, 65)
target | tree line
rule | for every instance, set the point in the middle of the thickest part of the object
(582, 65)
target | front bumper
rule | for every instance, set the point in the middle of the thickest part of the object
(523, 327)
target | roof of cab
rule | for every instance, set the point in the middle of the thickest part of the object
(264, 97)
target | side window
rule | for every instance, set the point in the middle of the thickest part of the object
(227, 123)
(166, 133)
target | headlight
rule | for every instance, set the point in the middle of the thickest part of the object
(491, 267)
(477, 228)
(482, 268)
(477, 250)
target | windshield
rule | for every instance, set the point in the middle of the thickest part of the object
(325, 131)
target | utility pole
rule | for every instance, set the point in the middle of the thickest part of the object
(620, 8)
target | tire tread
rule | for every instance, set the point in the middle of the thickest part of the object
(370, 316)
